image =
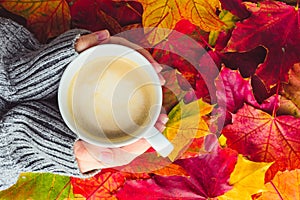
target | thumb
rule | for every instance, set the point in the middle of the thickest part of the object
(102, 154)
(86, 41)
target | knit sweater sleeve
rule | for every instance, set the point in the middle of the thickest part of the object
(29, 70)
(33, 136)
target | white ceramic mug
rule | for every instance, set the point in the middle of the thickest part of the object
(147, 131)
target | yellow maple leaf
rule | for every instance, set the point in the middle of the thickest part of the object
(285, 185)
(185, 124)
(247, 179)
(46, 18)
(162, 16)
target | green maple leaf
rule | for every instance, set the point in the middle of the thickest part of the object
(38, 186)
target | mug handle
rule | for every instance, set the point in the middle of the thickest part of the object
(159, 142)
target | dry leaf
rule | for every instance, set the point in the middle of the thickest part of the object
(37, 186)
(247, 179)
(186, 123)
(46, 18)
(163, 15)
(285, 185)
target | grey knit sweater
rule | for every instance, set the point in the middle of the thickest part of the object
(33, 136)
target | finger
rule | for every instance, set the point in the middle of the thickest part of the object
(113, 157)
(86, 41)
(160, 126)
(99, 153)
(84, 159)
(157, 67)
(162, 80)
(163, 118)
(109, 157)
(137, 147)
(161, 122)
(126, 154)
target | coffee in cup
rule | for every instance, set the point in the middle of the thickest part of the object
(111, 96)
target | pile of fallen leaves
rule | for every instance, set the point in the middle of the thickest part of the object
(232, 94)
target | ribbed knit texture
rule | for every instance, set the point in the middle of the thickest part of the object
(33, 136)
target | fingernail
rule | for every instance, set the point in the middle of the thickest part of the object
(157, 66)
(162, 79)
(162, 128)
(164, 119)
(106, 157)
(102, 35)
(160, 67)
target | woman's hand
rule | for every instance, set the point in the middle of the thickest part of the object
(91, 157)
(86, 41)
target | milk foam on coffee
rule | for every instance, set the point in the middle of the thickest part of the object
(111, 97)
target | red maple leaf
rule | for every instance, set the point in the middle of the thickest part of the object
(96, 15)
(265, 138)
(233, 91)
(103, 185)
(208, 177)
(275, 26)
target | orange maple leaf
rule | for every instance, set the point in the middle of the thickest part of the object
(165, 14)
(45, 18)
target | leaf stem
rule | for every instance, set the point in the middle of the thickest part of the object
(62, 190)
(278, 84)
(276, 99)
(276, 190)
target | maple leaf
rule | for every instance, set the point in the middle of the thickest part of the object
(233, 91)
(45, 18)
(270, 21)
(87, 14)
(208, 177)
(96, 15)
(292, 89)
(125, 12)
(264, 138)
(186, 123)
(39, 186)
(245, 62)
(285, 185)
(247, 179)
(163, 15)
(103, 185)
